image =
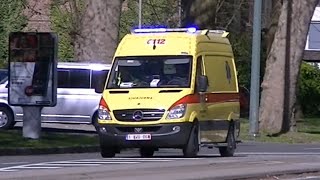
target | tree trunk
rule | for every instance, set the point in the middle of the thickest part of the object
(301, 17)
(98, 38)
(272, 23)
(273, 93)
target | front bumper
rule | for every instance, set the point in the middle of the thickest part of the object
(173, 135)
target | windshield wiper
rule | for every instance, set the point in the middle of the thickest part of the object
(170, 91)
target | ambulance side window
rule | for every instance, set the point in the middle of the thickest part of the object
(199, 71)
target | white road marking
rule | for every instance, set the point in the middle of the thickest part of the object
(156, 158)
(28, 166)
(266, 162)
(129, 160)
(316, 148)
(12, 163)
(124, 160)
(40, 167)
(67, 164)
(98, 163)
(87, 162)
(308, 177)
(7, 170)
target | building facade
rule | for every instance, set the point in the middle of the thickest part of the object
(312, 48)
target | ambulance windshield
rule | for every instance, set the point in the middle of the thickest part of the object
(151, 72)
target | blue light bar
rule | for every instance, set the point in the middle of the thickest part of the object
(192, 29)
(162, 30)
(149, 30)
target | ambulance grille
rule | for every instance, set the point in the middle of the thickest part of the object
(138, 115)
(138, 130)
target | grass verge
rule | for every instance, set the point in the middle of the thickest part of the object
(308, 131)
(14, 139)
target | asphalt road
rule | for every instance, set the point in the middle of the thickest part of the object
(252, 160)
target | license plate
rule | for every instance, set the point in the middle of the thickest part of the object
(132, 137)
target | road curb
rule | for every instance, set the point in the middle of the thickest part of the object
(262, 175)
(55, 150)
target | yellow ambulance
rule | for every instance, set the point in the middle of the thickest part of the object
(170, 88)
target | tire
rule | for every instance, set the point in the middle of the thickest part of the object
(192, 147)
(6, 118)
(107, 152)
(228, 151)
(146, 152)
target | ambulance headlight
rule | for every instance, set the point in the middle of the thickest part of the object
(177, 111)
(103, 113)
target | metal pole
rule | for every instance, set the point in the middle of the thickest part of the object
(31, 122)
(255, 70)
(179, 9)
(140, 14)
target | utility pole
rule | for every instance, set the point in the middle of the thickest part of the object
(140, 13)
(255, 70)
(179, 13)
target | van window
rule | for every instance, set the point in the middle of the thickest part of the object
(73, 78)
(152, 71)
(98, 77)
(199, 71)
(221, 73)
(63, 79)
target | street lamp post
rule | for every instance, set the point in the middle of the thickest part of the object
(140, 14)
(255, 70)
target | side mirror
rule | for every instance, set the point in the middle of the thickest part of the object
(202, 83)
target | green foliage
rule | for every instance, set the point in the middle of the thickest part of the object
(154, 13)
(11, 19)
(61, 25)
(13, 139)
(307, 133)
(309, 90)
(242, 51)
(65, 21)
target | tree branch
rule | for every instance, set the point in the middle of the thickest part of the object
(234, 14)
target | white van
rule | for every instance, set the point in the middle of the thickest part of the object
(77, 101)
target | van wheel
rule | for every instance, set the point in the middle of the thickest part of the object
(192, 147)
(107, 152)
(228, 151)
(146, 152)
(6, 118)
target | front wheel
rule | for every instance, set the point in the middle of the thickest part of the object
(146, 152)
(6, 118)
(192, 147)
(107, 152)
(228, 151)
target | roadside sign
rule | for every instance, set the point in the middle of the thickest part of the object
(32, 69)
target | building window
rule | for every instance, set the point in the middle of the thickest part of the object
(314, 36)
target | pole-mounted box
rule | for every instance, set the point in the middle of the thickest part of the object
(32, 69)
